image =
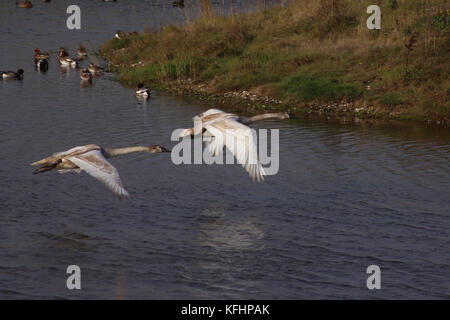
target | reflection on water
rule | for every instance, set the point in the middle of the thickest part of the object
(347, 195)
(85, 83)
(220, 232)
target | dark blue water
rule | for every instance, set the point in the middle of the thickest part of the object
(346, 196)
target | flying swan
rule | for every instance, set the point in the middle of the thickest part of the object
(92, 159)
(229, 130)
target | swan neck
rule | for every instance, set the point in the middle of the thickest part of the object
(113, 152)
(262, 117)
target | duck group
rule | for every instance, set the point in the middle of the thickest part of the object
(41, 63)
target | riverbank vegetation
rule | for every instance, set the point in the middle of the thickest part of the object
(303, 54)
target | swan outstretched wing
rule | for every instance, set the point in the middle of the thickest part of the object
(97, 166)
(209, 116)
(207, 113)
(76, 150)
(54, 158)
(240, 141)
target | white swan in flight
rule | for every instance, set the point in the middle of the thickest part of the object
(229, 130)
(92, 159)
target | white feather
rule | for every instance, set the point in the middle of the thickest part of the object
(97, 166)
(226, 131)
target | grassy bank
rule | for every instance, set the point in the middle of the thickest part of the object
(305, 54)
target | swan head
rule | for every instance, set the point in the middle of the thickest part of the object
(157, 148)
(186, 133)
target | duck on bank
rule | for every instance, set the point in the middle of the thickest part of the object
(313, 73)
(120, 34)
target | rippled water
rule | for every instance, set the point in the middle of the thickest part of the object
(347, 195)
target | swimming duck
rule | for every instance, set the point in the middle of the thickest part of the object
(12, 75)
(41, 59)
(222, 129)
(38, 55)
(178, 3)
(62, 52)
(82, 53)
(91, 158)
(68, 62)
(26, 4)
(42, 64)
(65, 60)
(85, 75)
(95, 69)
(142, 90)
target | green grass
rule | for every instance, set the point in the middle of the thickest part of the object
(307, 51)
(305, 87)
(391, 99)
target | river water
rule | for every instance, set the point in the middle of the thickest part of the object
(346, 196)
